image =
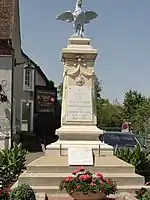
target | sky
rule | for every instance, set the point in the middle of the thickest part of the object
(121, 33)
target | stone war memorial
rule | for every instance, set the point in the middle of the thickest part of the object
(78, 143)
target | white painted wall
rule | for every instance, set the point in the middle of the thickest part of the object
(5, 108)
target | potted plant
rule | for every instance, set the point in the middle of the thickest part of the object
(88, 186)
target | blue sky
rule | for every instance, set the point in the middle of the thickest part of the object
(121, 33)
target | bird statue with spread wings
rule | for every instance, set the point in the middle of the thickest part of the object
(78, 17)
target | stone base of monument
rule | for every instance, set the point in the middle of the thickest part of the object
(61, 147)
(45, 173)
(78, 137)
(79, 132)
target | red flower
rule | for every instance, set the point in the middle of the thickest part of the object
(78, 187)
(93, 184)
(84, 177)
(74, 172)
(69, 179)
(93, 180)
(141, 193)
(81, 169)
(110, 182)
(100, 176)
(1, 191)
(101, 183)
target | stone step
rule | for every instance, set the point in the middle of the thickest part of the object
(54, 190)
(69, 169)
(50, 179)
(106, 164)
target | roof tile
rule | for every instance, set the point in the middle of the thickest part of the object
(7, 13)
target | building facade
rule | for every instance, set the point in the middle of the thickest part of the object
(14, 71)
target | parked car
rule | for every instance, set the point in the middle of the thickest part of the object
(120, 140)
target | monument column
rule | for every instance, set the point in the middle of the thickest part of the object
(78, 117)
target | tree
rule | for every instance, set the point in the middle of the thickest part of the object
(60, 91)
(132, 101)
(98, 88)
(109, 116)
(136, 110)
(51, 83)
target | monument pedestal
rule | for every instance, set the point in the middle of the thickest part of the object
(78, 119)
(78, 135)
(61, 147)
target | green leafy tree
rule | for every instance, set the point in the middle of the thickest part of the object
(136, 110)
(98, 88)
(132, 100)
(60, 91)
(51, 83)
(109, 116)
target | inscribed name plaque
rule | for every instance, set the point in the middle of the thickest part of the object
(79, 104)
(80, 156)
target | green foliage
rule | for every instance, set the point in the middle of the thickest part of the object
(51, 83)
(98, 88)
(136, 110)
(4, 192)
(22, 192)
(60, 91)
(109, 115)
(143, 194)
(146, 195)
(137, 158)
(12, 163)
(87, 182)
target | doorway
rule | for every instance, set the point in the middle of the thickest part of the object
(27, 115)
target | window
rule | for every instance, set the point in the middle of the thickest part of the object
(28, 79)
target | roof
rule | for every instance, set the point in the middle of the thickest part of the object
(7, 18)
(36, 66)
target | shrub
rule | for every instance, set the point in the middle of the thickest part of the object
(146, 195)
(12, 163)
(22, 192)
(137, 158)
(4, 192)
(143, 194)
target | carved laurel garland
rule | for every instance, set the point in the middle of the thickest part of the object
(79, 69)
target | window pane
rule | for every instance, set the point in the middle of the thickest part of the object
(28, 78)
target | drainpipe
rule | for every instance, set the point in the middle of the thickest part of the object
(12, 98)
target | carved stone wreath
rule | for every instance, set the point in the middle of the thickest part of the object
(80, 80)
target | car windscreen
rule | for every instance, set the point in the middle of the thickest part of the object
(119, 139)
